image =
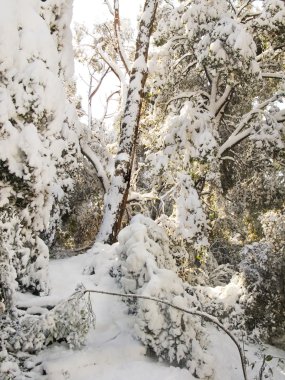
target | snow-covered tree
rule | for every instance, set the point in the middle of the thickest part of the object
(117, 195)
(216, 89)
(38, 144)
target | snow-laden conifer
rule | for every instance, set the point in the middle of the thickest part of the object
(38, 146)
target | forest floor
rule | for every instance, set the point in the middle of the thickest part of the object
(111, 351)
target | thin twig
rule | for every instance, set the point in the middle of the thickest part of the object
(232, 6)
(262, 368)
(98, 85)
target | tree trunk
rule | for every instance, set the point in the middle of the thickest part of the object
(116, 198)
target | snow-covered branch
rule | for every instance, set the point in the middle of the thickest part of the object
(272, 50)
(213, 96)
(95, 161)
(249, 16)
(111, 10)
(186, 95)
(139, 197)
(233, 140)
(222, 100)
(208, 74)
(280, 75)
(189, 66)
(179, 60)
(239, 134)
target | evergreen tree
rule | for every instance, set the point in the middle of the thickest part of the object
(38, 145)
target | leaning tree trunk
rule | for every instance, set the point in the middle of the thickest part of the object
(116, 198)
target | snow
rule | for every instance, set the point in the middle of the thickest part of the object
(111, 352)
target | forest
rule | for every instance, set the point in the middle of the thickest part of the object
(142, 235)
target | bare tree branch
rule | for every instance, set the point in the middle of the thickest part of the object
(98, 85)
(109, 97)
(243, 7)
(117, 28)
(117, 71)
(232, 6)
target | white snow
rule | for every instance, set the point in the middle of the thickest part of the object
(111, 351)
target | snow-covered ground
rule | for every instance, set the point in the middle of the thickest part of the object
(111, 351)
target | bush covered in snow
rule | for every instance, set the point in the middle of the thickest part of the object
(79, 225)
(250, 302)
(23, 332)
(170, 335)
(273, 225)
(68, 321)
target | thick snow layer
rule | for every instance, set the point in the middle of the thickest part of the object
(111, 351)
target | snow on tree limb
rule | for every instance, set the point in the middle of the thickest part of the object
(95, 161)
(239, 134)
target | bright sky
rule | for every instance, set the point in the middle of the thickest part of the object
(90, 12)
(95, 11)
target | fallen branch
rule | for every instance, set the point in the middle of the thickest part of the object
(201, 314)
